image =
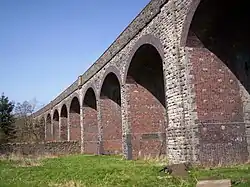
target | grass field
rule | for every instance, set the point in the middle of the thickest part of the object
(104, 171)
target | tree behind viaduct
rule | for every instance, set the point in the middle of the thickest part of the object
(174, 83)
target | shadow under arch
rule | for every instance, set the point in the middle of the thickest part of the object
(64, 123)
(217, 42)
(90, 122)
(48, 127)
(145, 85)
(55, 135)
(74, 118)
(111, 121)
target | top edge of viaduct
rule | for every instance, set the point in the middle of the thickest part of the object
(139, 22)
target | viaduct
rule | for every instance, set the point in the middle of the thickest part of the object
(175, 82)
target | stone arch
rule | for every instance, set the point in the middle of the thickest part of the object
(55, 125)
(146, 39)
(71, 97)
(110, 69)
(90, 121)
(48, 127)
(64, 123)
(145, 89)
(74, 119)
(187, 21)
(219, 55)
(110, 106)
(90, 86)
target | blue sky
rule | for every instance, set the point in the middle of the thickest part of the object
(46, 44)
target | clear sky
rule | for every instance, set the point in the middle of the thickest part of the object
(46, 44)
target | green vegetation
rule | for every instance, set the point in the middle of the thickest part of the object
(104, 171)
(16, 123)
(6, 119)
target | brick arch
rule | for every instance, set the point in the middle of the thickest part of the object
(110, 69)
(71, 98)
(145, 89)
(63, 132)
(146, 39)
(74, 118)
(192, 7)
(48, 127)
(218, 52)
(90, 86)
(90, 120)
(56, 113)
(55, 124)
(110, 110)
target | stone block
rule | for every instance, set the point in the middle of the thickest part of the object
(214, 183)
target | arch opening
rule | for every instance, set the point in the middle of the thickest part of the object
(110, 100)
(90, 123)
(74, 117)
(64, 123)
(48, 128)
(55, 124)
(224, 32)
(220, 58)
(146, 101)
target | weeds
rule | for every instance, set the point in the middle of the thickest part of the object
(19, 160)
(106, 171)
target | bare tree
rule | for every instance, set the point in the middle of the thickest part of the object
(28, 129)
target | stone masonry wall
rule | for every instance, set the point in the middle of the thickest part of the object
(245, 97)
(41, 148)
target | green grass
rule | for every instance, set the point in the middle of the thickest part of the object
(104, 171)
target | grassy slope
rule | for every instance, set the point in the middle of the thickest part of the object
(105, 171)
